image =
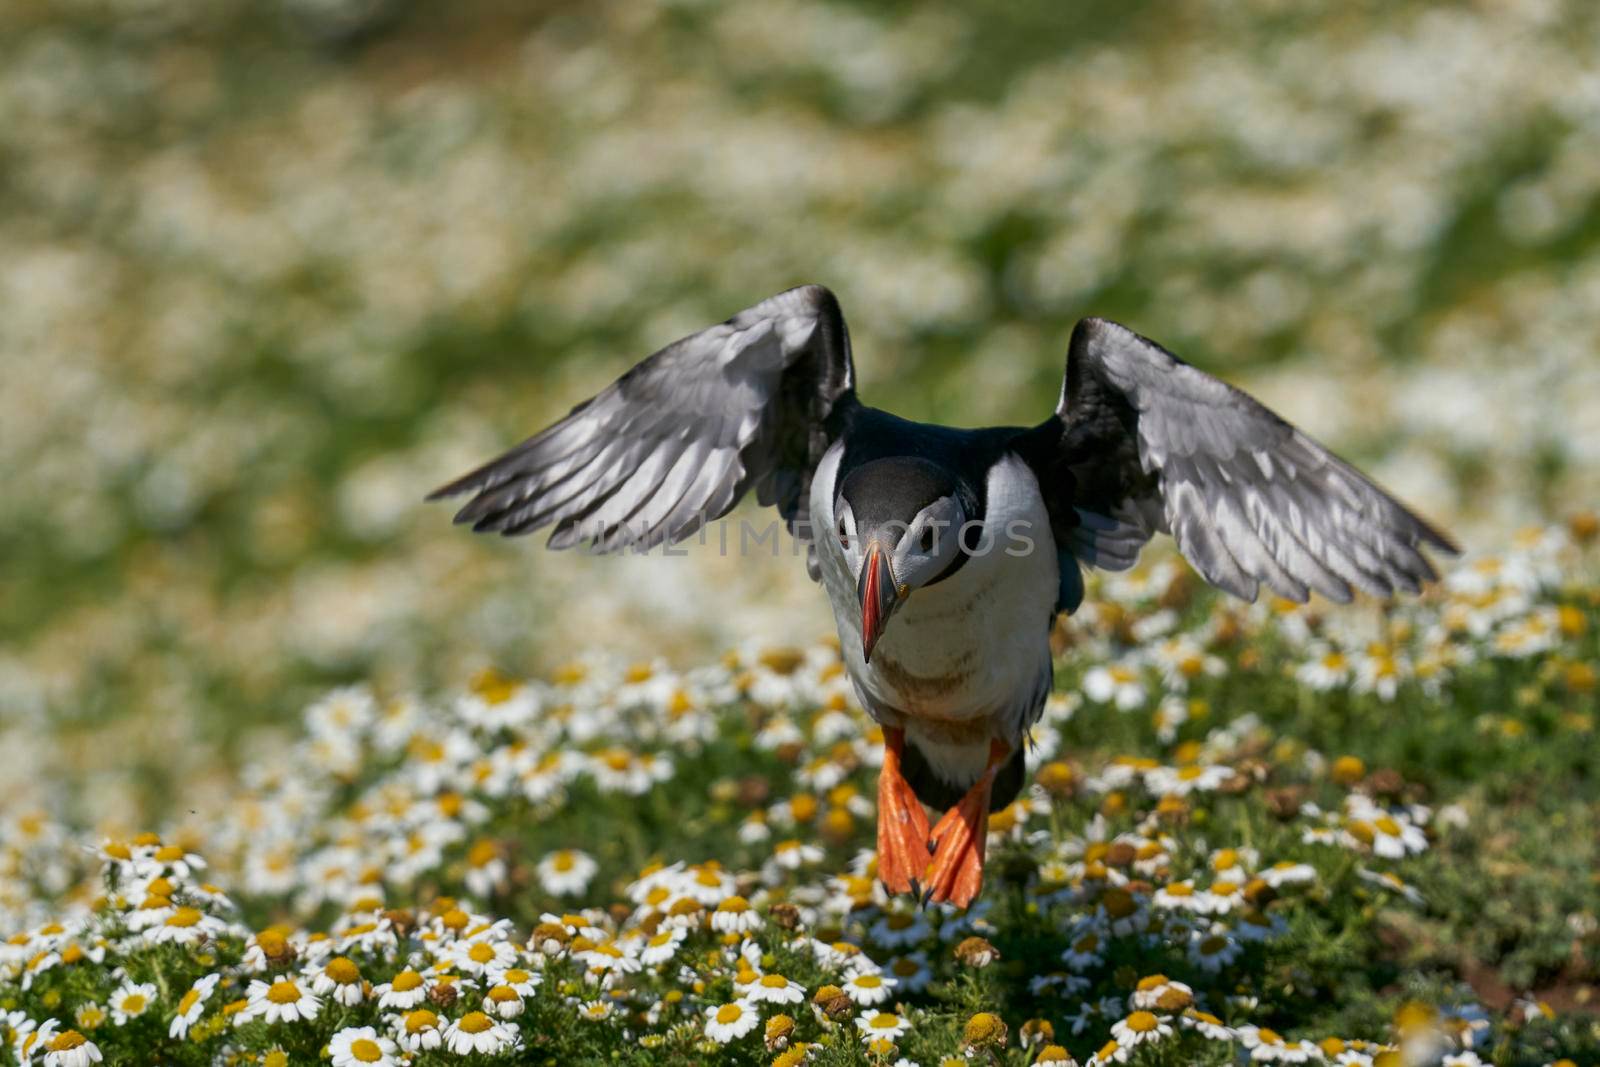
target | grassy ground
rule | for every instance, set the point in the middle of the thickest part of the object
(1252, 831)
(275, 268)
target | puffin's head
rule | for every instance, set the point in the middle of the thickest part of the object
(900, 522)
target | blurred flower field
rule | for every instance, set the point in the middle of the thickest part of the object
(273, 270)
(1257, 833)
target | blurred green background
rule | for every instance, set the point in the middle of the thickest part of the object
(270, 271)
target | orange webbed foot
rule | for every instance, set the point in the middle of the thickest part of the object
(960, 839)
(902, 825)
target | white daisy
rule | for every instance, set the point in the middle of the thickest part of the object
(731, 1021)
(1206, 1025)
(418, 1030)
(911, 971)
(476, 1032)
(792, 855)
(900, 929)
(1288, 873)
(775, 989)
(1139, 1027)
(1270, 1046)
(191, 1005)
(185, 926)
(503, 1001)
(1116, 684)
(868, 989)
(1085, 950)
(735, 916)
(404, 991)
(340, 979)
(281, 1001)
(520, 979)
(70, 1049)
(663, 946)
(358, 1046)
(130, 1001)
(1211, 951)
(566, 872)
(881, 1024)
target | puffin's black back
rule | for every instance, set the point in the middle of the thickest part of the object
(942, 796)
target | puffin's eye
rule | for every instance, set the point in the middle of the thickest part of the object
(844, 537)
(926, 544)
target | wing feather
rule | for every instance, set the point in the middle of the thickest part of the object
(679, 438)
(1142, 443)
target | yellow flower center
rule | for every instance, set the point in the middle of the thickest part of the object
(366, 1051)
(775, 981)
(885, 1020)
(169, 853)
(420, 1020)
(406, 981)
(184, 917)
(189, 1000)
(729, 1013)
(1180, 889)
(503, 994)
(342, 970)
(133, 1003)
(482, 952)
(1142, 1022)
(735, 905)
(67, 1040)
(868, 981)
(1387, 825)
(1119, 903)
(564, 861)
(283, 991)
(475, 1022)
(516, 976)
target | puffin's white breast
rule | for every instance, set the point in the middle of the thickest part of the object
(963, 659)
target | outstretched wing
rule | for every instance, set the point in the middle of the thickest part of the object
(677, 440)
(1142, 442)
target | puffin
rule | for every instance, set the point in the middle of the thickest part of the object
(947, 554)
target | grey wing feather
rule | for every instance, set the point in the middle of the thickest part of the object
(677, 440)
(1142, 443)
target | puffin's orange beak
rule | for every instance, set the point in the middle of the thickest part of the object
(876, 591)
